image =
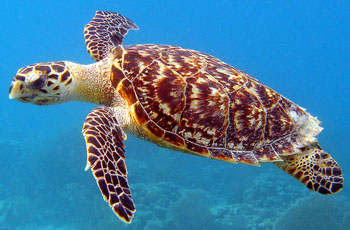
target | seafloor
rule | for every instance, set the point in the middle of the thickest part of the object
(171, 191)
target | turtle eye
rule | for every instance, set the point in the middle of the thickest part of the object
(38, 83)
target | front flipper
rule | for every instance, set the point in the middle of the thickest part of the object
(105, 156)
(315, 168)
(106, 31)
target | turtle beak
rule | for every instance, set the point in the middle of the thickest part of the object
(17, 92)
(16, 89)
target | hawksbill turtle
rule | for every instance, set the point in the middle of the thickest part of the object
(179, 99)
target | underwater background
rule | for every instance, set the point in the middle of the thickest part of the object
(299, 48)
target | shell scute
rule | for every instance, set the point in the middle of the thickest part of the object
(184, 62)
(161, 93)
(247, 157)
(267, 154)
(285, 147)
(204, 117)
(139, 114)
(229, 77)
(117, 75)
(222, 154)
(279, 124)
(136, 60)
(266, 96)
(126, 91)
(247, 121)
(174, 139)
(198, 149)
(155, 130)
(219, 142)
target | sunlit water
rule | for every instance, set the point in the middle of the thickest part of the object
(301, 49)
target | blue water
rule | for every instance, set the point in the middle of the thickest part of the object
(299, 48)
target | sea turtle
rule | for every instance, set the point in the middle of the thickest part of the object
(179, 99)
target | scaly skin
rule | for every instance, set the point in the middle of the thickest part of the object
(59, 82)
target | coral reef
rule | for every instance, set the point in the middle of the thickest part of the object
(316, 212)
(268, 195)
(191, 211)
(171, 192)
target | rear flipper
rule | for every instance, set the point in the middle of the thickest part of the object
(315, 168)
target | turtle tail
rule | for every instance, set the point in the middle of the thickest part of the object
(315, 168)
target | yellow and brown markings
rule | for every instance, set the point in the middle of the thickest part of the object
(25, 70)
(198, 149)
(229, 77)
(286, 146)
(139, 114)
(45, 69)
(195, 102)
(247, 121)
(174, 139)
(205, 116)
(44, 79)
(296, 118)
(161, 93)
(279, 124)
(118, 54)
(105, 156)
(315, 168)
(247, 157)
(266, 96)
(223, 154)
(126, 91)
(289, 106)
(117, 75)
(267, 153)
(58, 67)
(183, 61)
(137, 58)
(156, 132)
(61, 73)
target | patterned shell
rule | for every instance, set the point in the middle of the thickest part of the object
(193, 102)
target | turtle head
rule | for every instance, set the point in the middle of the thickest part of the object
(42, 84)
